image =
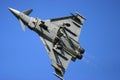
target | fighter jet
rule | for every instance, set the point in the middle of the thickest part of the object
(59, 36)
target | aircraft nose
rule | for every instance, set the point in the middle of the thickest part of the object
(15, 12)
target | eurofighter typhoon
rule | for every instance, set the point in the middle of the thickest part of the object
(59, 35)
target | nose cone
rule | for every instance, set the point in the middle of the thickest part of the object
(15, 12)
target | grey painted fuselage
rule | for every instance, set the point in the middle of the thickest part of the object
(59, 35)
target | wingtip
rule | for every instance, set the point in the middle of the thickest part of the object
(61, 78)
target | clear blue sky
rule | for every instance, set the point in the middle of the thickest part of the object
(23, 56)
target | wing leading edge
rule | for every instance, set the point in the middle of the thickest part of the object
(75, 21)
(60, 58)
(59, 35)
